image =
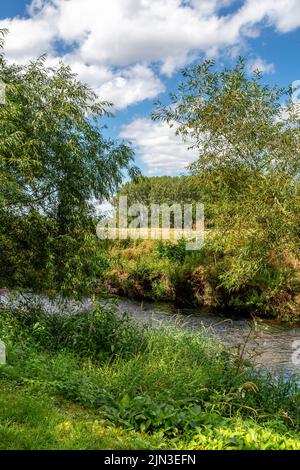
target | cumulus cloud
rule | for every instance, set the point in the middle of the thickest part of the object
(131, 86)
(28, 38)
(123, 88)
(114, 44)
(161, 151)
(261, 65)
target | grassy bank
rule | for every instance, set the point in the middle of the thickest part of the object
(210, 278)
(163, 389)
(38, 420)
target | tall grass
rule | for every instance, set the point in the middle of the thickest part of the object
(176, 383)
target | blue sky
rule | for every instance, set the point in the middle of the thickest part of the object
(131, 52)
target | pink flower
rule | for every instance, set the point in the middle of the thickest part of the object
(112, 290)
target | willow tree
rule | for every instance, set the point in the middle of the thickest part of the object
(55, 161)
(247, 135)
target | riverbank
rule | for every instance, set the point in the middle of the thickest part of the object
(270, 344)
(164, 388)
(209, 279)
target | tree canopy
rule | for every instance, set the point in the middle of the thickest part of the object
(54, 159)
(247, 135)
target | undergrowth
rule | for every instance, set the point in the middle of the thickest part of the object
(172, 383)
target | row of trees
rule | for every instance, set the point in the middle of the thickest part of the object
(161, 190)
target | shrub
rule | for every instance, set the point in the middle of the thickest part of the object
(172, 251)
(212, 278)
(87, 332)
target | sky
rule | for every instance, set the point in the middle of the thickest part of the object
(131, 53)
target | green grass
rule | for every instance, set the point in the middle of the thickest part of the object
(176, 390)
(34, 421)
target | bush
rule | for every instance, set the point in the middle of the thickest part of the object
(172, 251)
(87, 332)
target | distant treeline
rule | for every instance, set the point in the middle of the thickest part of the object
(162, 190)
(169, 190)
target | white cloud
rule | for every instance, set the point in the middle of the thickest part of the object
(161, 151)
(123, 87)
(115, 43)
(261, 65)
(27, 39)
(131, 86)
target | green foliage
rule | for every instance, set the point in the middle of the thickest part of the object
(133, 270)
(233, 121)
(25, 249)
(182, 387)
(87, 332)
(244, 435)
(160, 190)
(31, 421)
(249, 167)
(54, 160)
(212, 278)
(173, 251)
